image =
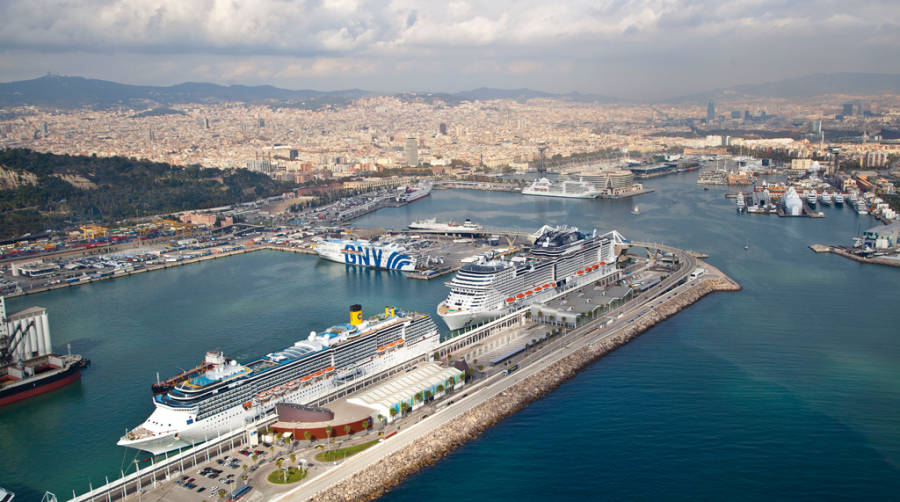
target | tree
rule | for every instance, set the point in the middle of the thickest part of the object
(451, 381)
(393, 412)
(328, 431)
(428, 395)
(365, 424)
(279, 462)
(293, 458)
(347, 430)
(418, 397)
(307, 435)
(222, 494)
(440, 388)
(380, 418)
(255, 457)
(404, 406)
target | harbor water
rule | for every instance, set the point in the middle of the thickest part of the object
(788, 389)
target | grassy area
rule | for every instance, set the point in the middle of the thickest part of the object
(332, 455)
(294, 474)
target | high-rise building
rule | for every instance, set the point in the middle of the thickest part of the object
(261, 122)
(412, 152)
(205, 123)
(443, 128)
(847, 109)
(710, 111)
(44, 128)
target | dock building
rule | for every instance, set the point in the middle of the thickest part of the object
(883, 236)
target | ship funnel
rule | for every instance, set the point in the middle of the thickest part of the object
(356, 315)
(392, 312)
(387, 311)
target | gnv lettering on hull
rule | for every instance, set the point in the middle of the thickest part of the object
(357, 255)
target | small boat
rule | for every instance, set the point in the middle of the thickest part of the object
(635, 211)
(838, 199)
(747, 244)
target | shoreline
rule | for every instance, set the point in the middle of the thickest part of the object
(161, 266)
(378, 479)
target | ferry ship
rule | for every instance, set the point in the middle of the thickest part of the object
(363, 253)
(561, 258)
(414, 193)
(565, 188)
(432, 225)
(230, 395)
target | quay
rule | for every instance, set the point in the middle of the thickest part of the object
(876, 260)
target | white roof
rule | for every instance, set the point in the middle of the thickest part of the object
(406, 386)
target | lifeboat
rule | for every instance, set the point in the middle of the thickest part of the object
(529, 292)
(546, 286)
(553, 284)
(247, 405)
(510, 300)
(580, 272)
(602, 263)
(520, 296)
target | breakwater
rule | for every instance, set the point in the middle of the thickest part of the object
(381, 477)
(877, 260)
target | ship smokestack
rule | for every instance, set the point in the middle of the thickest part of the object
(356, 315)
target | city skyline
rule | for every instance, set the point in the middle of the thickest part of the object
(636, 50)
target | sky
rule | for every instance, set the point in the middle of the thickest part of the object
(644, 49)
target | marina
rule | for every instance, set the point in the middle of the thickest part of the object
(233, 284)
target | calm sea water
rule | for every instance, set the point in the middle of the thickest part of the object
(789, 388)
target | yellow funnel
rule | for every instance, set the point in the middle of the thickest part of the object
(356, 315)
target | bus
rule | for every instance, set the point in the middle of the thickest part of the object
(240, 492)
(512, 368)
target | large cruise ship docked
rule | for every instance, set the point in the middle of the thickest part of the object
(564, 188)
(561, 258)
(363, 253)
(229, 395)
(414, 193)
(432, 225)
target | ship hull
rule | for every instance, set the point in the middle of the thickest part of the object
(40, 386)
(460, 319)
(367, 256)
(588, 195)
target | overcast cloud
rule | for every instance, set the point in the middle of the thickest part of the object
(634, 49)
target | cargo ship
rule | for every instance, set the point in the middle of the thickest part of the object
(229, 395)
(561, 258)
(28, 366)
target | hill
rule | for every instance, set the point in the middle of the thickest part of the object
(73, 92)
(44, 191)
(70, 92)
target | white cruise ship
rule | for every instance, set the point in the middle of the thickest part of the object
(432, 225)
(561, 258)
(564, 188)
(363, 253)
(413, 193)
(229, 395)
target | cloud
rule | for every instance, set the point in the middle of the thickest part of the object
(461, 43)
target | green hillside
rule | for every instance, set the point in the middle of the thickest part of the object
(45, 191)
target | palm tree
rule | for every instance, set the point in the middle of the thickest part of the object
(393, 412)
(328, 431)
(380, 418)
(365, 424)
(347, 430)
(255, 457)
(428, 395)
(293, 458)
(222, 494)
(403, 407)
(279, 462)
(418, 397)
(451, 381)
(307, 435)
(440, 388)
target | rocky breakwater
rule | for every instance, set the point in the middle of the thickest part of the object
(379, 478)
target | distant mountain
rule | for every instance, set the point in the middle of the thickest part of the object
(71, 92)
(68, 92)
(487, 93)
(861, 84)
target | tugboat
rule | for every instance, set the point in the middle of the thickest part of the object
(741, 205)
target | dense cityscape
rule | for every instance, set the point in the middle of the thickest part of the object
(649, 252)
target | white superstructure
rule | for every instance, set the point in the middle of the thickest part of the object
(432, 225)
(561, 258)
(576, 189)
